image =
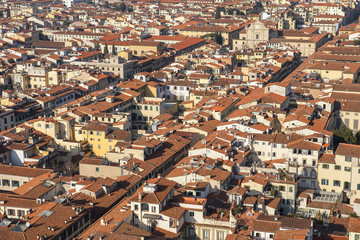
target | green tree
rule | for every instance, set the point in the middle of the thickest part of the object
(357, 137)
(274, 191)
(113, 50)
(357, 42)
(218, 38)
(43, 37)
(66, 23)
(122, 7)
(343, 135)
(258, 8)
(282, 174)
(106, 49)
(217, 13)
(231, 11)
(319, 218)
(97, 47)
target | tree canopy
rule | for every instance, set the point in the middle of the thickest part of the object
(345, 135)
(113, 50)
(106, 49)
(217, 13)
(218, 38)
(357, 42)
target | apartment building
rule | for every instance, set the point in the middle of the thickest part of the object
(68, 36)
(179, 90)
(334, 70)
(268, 227)
(101, 137)
(115, 64)
(307, 44)
(12, 177)
(287, 191)
(148, 108)
(53, 214)
(7, 119)
(171, 213)
(339, 172)
(349, 114)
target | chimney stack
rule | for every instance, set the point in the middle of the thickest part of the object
(102, 222)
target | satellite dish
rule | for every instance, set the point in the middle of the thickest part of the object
(43, 200)
(27, 224)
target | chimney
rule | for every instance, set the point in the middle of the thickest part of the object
(102, 222)
(139, 196)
